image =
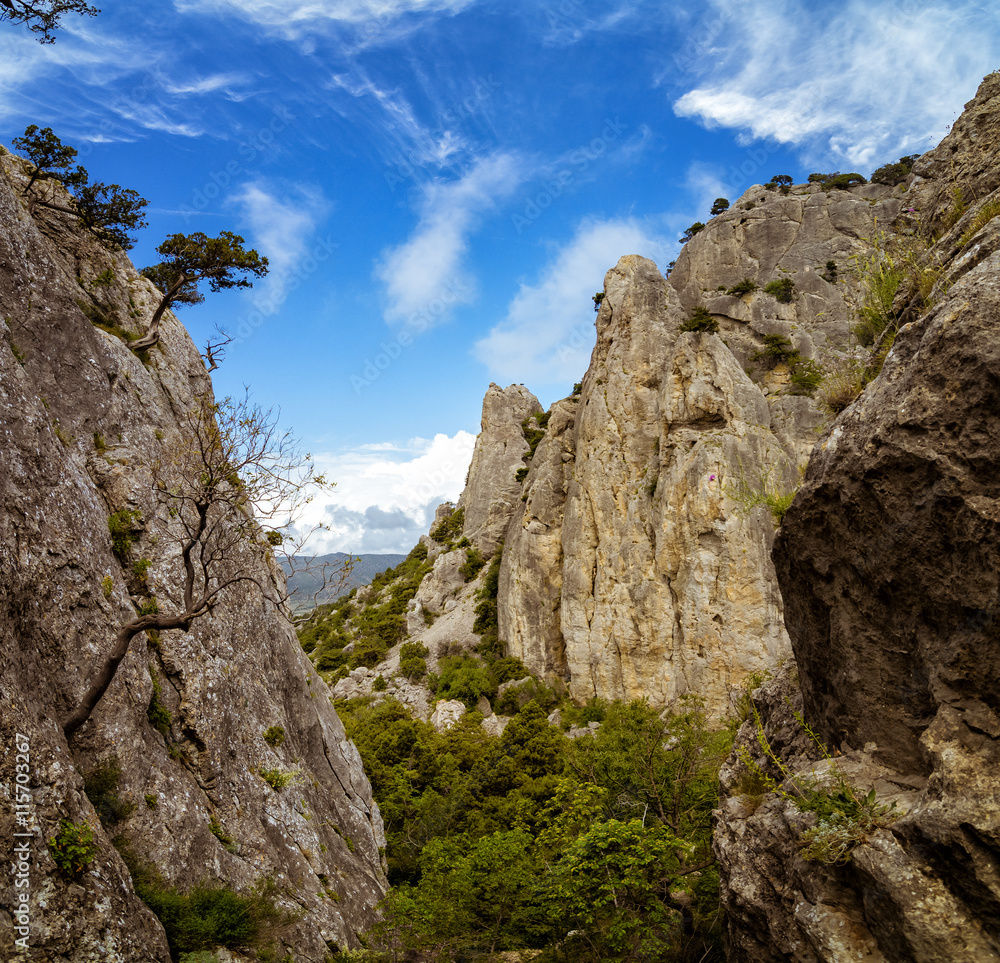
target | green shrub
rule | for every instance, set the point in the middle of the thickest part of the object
(806, 376)
(830, 274)
(209, 915)
(534, 430)
(893, 174)
(463, 677)
(73, 847)
(448, 529)
(107, 586)
(984, 215)
(521, 474)
(777, 350)
(412, 660)
(577, 387)
(719, 205)
(379, 685)
(277, 779)
(598, 298)
(746, 286)
(782, 289)
(472, 565)
(691, 231)
(101, 786)
(123, 535)
(157, 713)
(215, 827)
(701, 321)
(152, 801)
(274, 736)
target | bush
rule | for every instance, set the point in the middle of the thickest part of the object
(101, 786)
(73, 847)
(274, 736)
(534, 427)
(777, 350)
(746, 286)
(123, 536)
(448, 529)
(463, 677)
(691, 231)
(277, 779)
(719, 205)
(413, 660)
(806, 377)
(837, 181)
(521, 474)
(156, 712)
(782, 290)
(701, 321)
(474, 561)
(830, 274)
(893, 174)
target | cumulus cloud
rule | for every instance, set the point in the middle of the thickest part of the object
(858, 81)
(548, 333)
(425, 276)
(386, 494)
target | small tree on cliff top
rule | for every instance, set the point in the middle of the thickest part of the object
(191, 258)
(110, 212)
(223, 488)
(42, 16)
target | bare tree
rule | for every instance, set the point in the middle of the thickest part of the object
(236, 483)
(42, 16)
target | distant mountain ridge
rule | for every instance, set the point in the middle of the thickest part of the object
(306, 584)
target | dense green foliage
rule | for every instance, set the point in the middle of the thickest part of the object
(746, 286)
(110, 212)
(73, 848)
(591, 850)
(837, 181)
(893, 174)
(534, 427)
(781, 289)
(449, 529)
(701, 320)
(375, 628)
(719, 205)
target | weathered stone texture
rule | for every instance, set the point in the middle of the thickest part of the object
(82, 422)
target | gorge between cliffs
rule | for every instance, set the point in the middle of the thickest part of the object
(702, 665)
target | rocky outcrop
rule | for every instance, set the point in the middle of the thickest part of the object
(890, 574)
(492, 490)
(84, 420)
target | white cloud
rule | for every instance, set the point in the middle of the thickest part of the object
(281, 225)
(857, 82)
(386, 494)
(548, 333)
(291, 16)
(425, 277)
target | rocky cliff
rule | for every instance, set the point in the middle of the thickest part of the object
(84, 422)
(890, 576)
(639, 565)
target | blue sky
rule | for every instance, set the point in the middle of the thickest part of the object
(440, 185)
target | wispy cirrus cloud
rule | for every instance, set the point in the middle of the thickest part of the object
(282, 221)
(294, 17)
(548, 333)
(429, 267)
(859, 81)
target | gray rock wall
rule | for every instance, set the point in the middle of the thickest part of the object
(890, 575)
(82, 421)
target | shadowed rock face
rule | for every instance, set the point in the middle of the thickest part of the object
(82, 421)
(890, 571)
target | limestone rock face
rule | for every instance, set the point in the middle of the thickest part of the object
(666, 590)
(888, 562)
(492, 491)
(82, 420)
(531, 571)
